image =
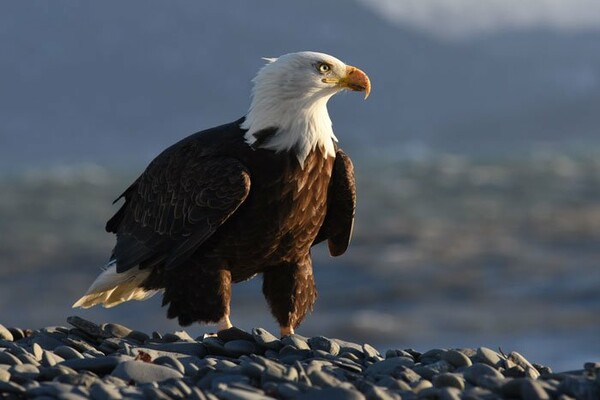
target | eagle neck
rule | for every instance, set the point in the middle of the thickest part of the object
(301, 124)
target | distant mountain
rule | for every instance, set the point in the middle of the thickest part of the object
(115, 82)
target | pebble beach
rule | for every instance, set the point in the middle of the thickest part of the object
(110, 361)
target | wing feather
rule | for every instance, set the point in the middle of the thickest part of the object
(175, 206)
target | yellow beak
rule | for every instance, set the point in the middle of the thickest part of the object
(355, 80)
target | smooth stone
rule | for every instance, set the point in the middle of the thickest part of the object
(184, 336)
(252, 369)
(456, 358)
(370, 351)
(350, 347)
(288, 390)
(532, 390)
(170, 337)
(5, 334)
(170, 362)
(295, 340)
(477, 370)
(9, 359)
(266, 339)
(323, 379)
(115, 330)
(234, 333)
(67, 352)
(50, 359)
(100, 365)
(37, 351)
(239, 347)
(220, 381)
(393, 384)
(87, 327)
(448, 380)
(17, 333)
(11, 387)
(27, 358)
(324, 344)
(489, 356)
(49, 373)
(332, 393)
(429, 393)
(182, 387)
(4, 375)
(431, 356)
(187, 348)
(377, 393)
(81, 379)
(521, 361)
(103, 391)
(24, 372)
(449, 393)
(430, 370)
(239, 394)
(141, 337)
(48, 341)
(389, 366)
(142, 372)
(421, 385)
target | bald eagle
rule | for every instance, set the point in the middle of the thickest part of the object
(249, 197)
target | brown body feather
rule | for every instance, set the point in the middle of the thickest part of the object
(210, 210)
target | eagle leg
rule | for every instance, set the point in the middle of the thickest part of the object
(199, 294)
(290, 292)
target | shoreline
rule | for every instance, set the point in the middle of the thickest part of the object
(88, 360)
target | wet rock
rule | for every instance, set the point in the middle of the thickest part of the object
(142, 372)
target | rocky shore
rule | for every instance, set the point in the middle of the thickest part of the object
(111, 361)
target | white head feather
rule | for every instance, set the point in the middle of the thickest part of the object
(289, 94)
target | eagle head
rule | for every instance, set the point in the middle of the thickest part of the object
(290, 95)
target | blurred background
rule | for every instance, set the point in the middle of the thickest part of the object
(477, 158)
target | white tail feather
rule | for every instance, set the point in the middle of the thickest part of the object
(112, 288)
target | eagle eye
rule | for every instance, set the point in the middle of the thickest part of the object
(323, 68)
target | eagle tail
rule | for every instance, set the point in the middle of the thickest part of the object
(112, 288)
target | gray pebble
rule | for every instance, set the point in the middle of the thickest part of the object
(220, 382)
(17, 333)
(449, 393)
(170, 337)
(27, 358)
(532, 390)
(139, 336)
(252, 369)
(456, 358)
(370, 351)
(394, 384)
(266, 339)
(323, 379)
(430, 370)
(4, 375)
(87, 327)
(288, 390)
(49, 373)
(295, 340)
(431, 356)
(67, 352)
(489, 357)
(37, 351)
(241, 347)
(24, 372)
(477, 370)
(8, 358)
(389, 366)
(11, 387)
(324, 344)
(429, 393)
(239, 394)
(100, 365)
(377, 393)
(332, 393)
(102, 391)
(50, 359)
(521, 361)
(170, 362)
(188, 348)
(5, 334)
(115, 330)
(448, 380)
(142, 372)
(234, 333)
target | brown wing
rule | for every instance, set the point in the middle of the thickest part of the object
(341, 204)
(174, 206)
